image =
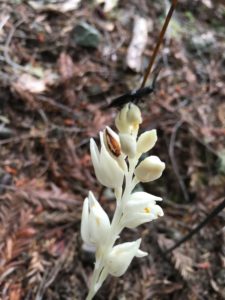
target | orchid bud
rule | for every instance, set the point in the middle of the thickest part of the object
(134, 114)
(128, 144)
(120, 257)
(146, 141)
(149, 169)
(95, 224)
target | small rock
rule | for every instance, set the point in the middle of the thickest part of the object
(203, 42)
(5, 132)
(86, 35)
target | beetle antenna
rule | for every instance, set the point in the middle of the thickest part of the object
(159, 42)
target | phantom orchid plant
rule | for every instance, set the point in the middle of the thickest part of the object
(117, 166)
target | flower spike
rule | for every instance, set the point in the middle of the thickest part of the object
(117, 166)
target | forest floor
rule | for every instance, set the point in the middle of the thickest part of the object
(52, 92)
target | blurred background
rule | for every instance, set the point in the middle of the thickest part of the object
(61, 63)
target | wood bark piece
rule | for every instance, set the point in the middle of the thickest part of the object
(138, 44)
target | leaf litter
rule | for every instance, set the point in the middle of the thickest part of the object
(52, 94)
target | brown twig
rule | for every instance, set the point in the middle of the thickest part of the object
(159, 42)
(6, 47)
(204, 222)
(57, 105)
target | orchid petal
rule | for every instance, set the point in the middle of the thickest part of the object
(84, 222)
(121, 256)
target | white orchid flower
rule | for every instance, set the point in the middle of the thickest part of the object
(95, 224)
(141, 208)
(120, 257)
(107, 170)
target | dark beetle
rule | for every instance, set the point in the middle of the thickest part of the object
(136, 95)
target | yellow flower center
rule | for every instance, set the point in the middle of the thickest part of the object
(147, 210)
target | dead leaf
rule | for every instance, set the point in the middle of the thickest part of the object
(207, 3)
(15, 292)
(69, 122)
(183, 263)
(205, 265)
(66, 67)
(26, 232)
(63, 7)
(10, 170)
(9, 248)
(31, 84)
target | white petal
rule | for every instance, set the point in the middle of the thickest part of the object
(113, 134)
(143, 195)
(121, 120)
(99, 224)
(96, 205)
(133, 221)
(121, 256)
(110, 172)
(157, 210)
(95, 157)
(138, 206)
(94, 152)
(107, 170)
(146, 141)
(128, 144)
(85, 222)
(139, 201)
(134, 114)
(141, 253)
